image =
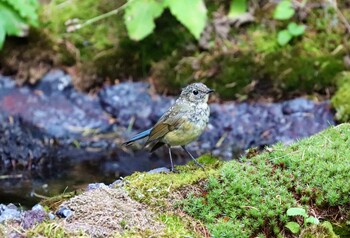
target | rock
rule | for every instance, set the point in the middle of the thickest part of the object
(32, 217)
(64, 212)
(159, 170)
(93, 186)
(9, 212)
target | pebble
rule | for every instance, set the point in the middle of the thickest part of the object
(64, 212)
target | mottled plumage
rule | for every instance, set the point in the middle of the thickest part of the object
(183, 123)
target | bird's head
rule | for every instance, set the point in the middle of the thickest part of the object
(196, 92)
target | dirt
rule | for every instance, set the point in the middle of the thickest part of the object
(104, 212)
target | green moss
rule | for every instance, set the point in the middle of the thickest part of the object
(153, 189)
(104, 48)
(341, 99)
(343, 230)
(175, 226)
(242, 199)
(227, 73)
(323, 230)
(254, 62)
(47, 229)
(318, 166)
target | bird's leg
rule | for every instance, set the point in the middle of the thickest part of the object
(197, 163)
(171, 159)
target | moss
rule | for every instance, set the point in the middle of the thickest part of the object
(341, 99)
(227, 73)
(324, 230)
(343, 229)
(153, 189)
(319, 166)
(242, 199)
(253, 63)
(175, 226)
(104, 49)
(48, 229)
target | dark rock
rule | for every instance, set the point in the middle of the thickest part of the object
(64, 212)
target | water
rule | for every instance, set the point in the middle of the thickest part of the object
(26, 188)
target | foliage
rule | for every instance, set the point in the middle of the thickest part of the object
(294, 227)
(237, 8)
(341, 99)
(285, 11)
(15, 16)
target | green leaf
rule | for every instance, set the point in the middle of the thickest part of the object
(295, 30)
(296, 211)
(139, 17)
(284, 10)
(283, 37)
(237, 8)
(26, 9)
(191, 13)
(2, 35)
(11, 22)
(293, 227)
(312, 220)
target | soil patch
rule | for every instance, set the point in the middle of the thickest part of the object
(105, 211)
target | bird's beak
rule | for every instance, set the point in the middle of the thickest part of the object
(210, 91)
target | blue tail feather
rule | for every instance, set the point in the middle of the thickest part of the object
(139, 136)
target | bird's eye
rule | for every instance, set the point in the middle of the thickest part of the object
(195, 92)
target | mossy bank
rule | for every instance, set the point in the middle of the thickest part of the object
(245, 198)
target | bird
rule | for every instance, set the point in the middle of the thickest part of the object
(181, 124)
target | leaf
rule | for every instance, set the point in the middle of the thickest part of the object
(284, 10)
(295, 30)
(2, 35)
(139, 17)
(293, 227)
(312, 220)
(26, 9)
(296, 211)
(237, 8)
(11, 22)
(191, 13)
(283, 37)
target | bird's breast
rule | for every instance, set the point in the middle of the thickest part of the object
(191, 128)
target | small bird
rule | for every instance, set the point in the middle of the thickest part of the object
(182, 123)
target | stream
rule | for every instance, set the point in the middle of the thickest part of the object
(55, 138)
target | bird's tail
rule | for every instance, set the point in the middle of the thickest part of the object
(139, 136)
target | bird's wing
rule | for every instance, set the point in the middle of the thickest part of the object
(168, 122)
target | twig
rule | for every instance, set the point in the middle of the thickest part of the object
(340, 14)
(77, 26)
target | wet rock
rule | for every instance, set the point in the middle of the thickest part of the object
(159, 170)
(64, 212)
(93, 186)
(132, 103)
(54, 106)
(38, 207)
(20, 145)
(9, 212)
(116, 183)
